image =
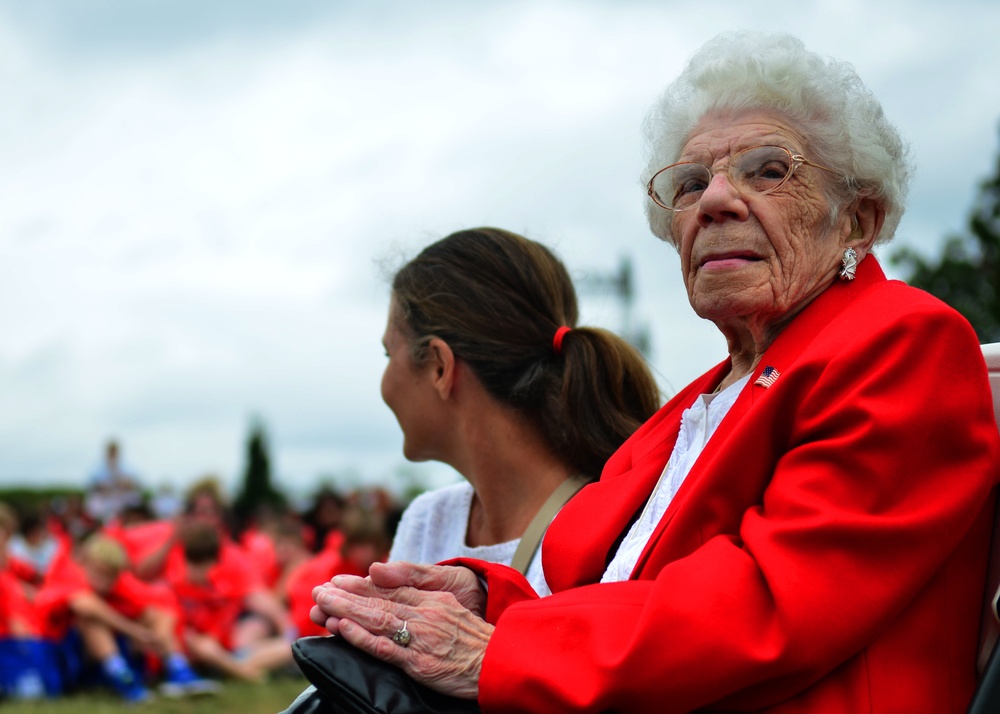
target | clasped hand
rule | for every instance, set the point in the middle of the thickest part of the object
(441, 606)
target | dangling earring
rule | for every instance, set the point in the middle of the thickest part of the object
(849, 264)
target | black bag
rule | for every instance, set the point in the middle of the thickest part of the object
(350, 681)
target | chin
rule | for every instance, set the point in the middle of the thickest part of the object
(411, 454)
(734, 303)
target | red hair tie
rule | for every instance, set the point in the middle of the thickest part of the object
(558, 338)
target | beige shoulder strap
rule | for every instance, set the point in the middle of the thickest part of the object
(532, 537)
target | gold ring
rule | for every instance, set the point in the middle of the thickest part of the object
(402, 636)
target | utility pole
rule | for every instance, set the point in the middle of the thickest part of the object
(620, 284)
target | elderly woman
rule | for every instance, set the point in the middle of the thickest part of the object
(804, 528)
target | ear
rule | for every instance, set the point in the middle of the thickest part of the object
(441, 364)
(866, 222)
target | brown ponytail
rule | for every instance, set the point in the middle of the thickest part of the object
(498, 299)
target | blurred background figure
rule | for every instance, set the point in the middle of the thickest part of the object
(365, 540)
(23, 662)
(322, 520)
(165, 503)
(69, 518)
(281, 543)
(92, 603)
(155, 548)
(36, 543)
(232, 621)
(113, 486)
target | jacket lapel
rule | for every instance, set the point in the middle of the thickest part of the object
(780, 356)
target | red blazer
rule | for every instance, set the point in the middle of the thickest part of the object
(827, 552)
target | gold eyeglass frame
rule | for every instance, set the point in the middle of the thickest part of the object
(794, 161)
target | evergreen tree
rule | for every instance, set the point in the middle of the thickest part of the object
(258, 492)
(967, 276)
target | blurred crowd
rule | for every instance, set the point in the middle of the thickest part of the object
(147, 593)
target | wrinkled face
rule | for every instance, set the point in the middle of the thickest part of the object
(407, 391)
(758, 258)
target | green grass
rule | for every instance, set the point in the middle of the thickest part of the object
(238, 697)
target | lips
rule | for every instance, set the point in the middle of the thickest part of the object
(730, 257)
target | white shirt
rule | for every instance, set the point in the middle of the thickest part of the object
(698, 423)
(433, 528)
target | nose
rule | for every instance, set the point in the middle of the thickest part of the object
(720, 201)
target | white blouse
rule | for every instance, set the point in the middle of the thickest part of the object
(698, 423)
(433, 528)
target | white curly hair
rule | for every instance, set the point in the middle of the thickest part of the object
(822, 97)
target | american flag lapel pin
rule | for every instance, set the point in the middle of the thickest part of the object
(768, 377)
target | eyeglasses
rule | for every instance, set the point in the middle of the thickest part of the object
(757, 170)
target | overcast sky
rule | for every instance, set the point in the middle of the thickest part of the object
(197, 197)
